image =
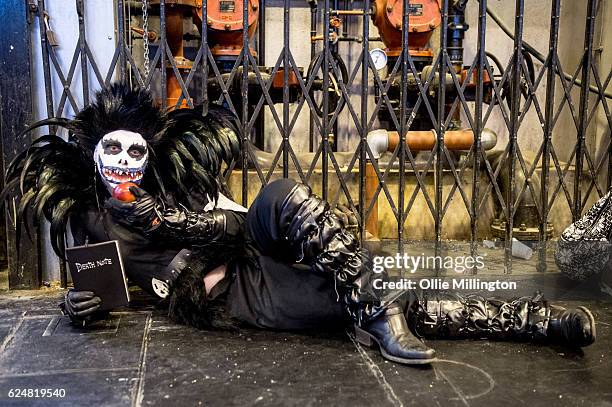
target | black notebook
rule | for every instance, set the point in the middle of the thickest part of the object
(98, 268)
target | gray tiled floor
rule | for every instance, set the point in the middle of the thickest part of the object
(139, 358)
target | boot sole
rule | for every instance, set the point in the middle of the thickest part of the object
(591, 320)
(367, 339)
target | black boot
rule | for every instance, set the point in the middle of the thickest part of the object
(528, 319)
(573, 327)
(390, 332)
(317, 237)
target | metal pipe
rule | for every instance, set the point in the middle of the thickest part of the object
(350, 13)
(587, 61)
(549, 111)
(540, 57)
(478, 112)
(378, 141)
(382, 140)
(517, 61)
(441, 129)
(456, 32)
(424, 140)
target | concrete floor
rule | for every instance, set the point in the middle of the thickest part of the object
(139, 358)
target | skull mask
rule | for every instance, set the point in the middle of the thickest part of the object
(121, 156)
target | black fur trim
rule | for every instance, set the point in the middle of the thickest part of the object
(188, 304)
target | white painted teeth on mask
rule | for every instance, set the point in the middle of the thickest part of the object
(115, 174)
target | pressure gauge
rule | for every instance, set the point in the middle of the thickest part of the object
(379, 57)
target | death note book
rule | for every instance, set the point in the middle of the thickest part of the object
(98, 268)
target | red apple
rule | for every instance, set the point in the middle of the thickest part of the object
(122, 192)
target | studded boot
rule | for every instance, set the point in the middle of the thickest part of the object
(523, 319)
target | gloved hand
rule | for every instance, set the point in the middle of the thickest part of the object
(143, 214)
(346, 215)
(81, 306)
(152, 219)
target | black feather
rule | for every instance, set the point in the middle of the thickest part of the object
(50, 171)
(197, 146)
(186, 154)
(53, 121)
(118, 107)
(61, 211)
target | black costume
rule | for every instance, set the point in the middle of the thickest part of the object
(290, 263)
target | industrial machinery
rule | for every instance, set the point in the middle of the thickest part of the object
(424, 18)
(225, 38)
(387, 16)
(225, 28)
(225, 25)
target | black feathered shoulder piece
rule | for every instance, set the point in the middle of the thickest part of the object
(55, 178)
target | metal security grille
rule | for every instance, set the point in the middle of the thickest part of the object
(513, 92)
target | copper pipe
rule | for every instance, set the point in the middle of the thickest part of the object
(174, 31)
(371, 185)
(332, 37)
(151, 35)
(425, 140)
(348, 13)
(382, 140)
(174, 37)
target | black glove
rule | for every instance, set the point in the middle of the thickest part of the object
(81, 306)
(143, 214)
(193, 228)
(346, 215)
(177, 224)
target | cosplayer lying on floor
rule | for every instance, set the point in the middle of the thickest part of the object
(286, 263)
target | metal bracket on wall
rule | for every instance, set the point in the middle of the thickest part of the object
(33, 9)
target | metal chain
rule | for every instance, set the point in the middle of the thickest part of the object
(145, 37)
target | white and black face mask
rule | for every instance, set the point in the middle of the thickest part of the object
(121, 156)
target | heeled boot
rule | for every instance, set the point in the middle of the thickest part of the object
(318, 238)
(395, 341)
